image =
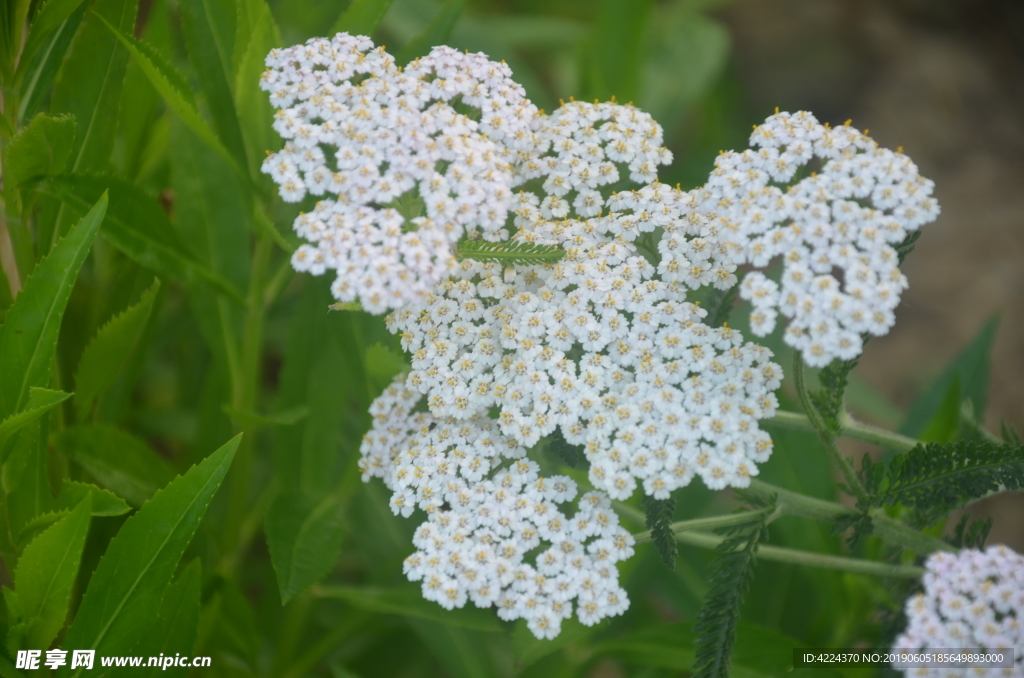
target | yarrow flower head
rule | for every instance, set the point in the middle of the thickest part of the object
(597, 347)
(403, 173)
(842, 220)
(488, 511)
(971, 599)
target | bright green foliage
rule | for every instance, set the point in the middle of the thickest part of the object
(942, 477)
(110, 352)
(28, 340)
(102, 502)
(731, 574)
(40, 401)
(514, 253)
(660, 513)
(435, 33)
(407, 601)
(361, 17)
(41, 149)
(48, 19)
(124, 594)
(46, 571)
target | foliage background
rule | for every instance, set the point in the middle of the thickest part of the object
(297, 379)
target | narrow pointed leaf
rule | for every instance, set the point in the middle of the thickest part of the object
(406, 601)
(125, 592)
(40, 401)
(28, 339)
(107, 355)
(42, 148)
(255, 114)
(103, 502)
(50, 17)
(119, 461)
(178, 621)
(43, 579)
(37, 73)
(436, 32)
(304, 536)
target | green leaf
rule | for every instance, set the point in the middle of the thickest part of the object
(41, 149)
(136, 225)
(107, 355)
(461, 653)
(28, 340)
(938, 478)
(361, 17)
(40, 401)
(255, 114)
(945, 425)
(828, 400)
(510, 253)
(304, 537)
(103, 502)
(173, 87)
(615, 51)
(660, 513)
(382, 364)
(972, 366)
(25, 480)
(89, 85)
(731, 574)
(43, 580)
(528, 649)
(124, 594)
(406, 601)
(436, 32)
(37, 73)
(119, 461)
(50, 17)
(571, 455)
(177, 621)
(209, 31)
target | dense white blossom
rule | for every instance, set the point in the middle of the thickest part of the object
(843, 219)
(596, 347)
(403, 174)
(971, 599)
(488, 511)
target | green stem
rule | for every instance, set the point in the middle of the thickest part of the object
(705, 523)
(827, 439)
(781, 554)
(851, 429)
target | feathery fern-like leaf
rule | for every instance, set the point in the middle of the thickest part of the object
(972, 537)
(828, 400)
(659, 521)
(942, 477)
(907, 245)
(720, 306)
(731, 574)
(509, 253)
(571, 455)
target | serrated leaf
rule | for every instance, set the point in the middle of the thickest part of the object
(660, 513)
(435, 33)
(108, 353)
(136, 225)
(972, 367)
(510, 253)
(173, 87)
(936, 478)
(125, 592)
(28, 339)
(119, 461)
(25, 480)
(103, 502)
(40, 401)
(36, 73)
(406, 601)
(50, 17)
(41, 148)
(361, 17)
(304, 536)
(90, 81)
(178, 621)
(43, 580)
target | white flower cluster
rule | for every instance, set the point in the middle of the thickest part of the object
(385, 142)
(844, 218)
(971, 599)
(485, 517)
(596, 347)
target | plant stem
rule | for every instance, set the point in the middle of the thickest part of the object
(851, 429)
(827, 439)
(705, 523)
(793, 556)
